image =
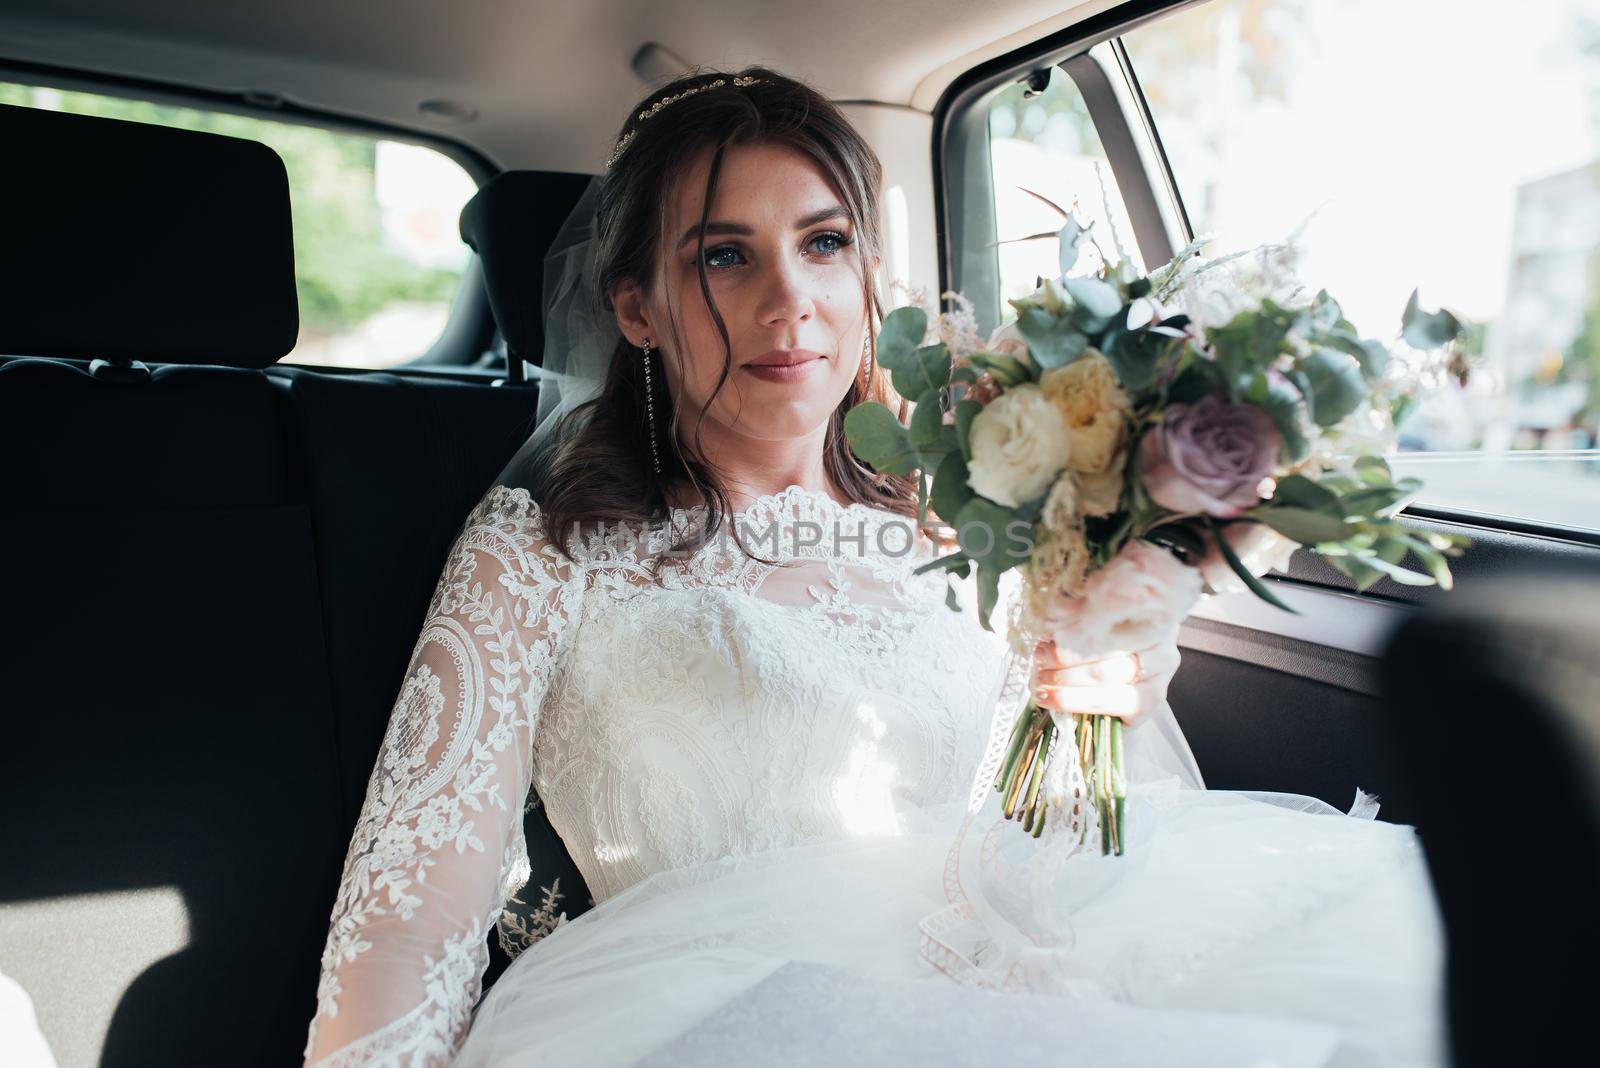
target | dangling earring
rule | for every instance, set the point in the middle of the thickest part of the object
(650, 408)
(866, 354)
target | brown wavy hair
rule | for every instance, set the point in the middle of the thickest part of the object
(598, 467)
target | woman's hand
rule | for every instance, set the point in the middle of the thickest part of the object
(1126, 685)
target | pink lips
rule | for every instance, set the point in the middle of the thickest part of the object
(785, 365)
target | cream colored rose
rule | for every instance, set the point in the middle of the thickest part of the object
(1019, 444)
(1100, 492)
(1095, 408)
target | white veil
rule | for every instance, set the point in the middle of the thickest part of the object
(580, 336)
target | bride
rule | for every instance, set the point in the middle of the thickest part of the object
(687, 618)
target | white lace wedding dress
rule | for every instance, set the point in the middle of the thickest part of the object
(756, 763)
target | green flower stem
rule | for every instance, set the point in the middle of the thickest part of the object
(1019, 731)
(1102, 780)
(1030, 755)
(1030, 803)
(1119, 784)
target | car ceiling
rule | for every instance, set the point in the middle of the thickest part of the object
(550, 81)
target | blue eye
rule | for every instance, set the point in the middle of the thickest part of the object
(841, 241)
(716, 262)
(712, 253)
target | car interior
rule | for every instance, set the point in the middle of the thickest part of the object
(232, 472)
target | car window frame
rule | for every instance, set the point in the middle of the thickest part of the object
(469, 338)
(960, 124)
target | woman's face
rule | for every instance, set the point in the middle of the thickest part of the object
(786, 276)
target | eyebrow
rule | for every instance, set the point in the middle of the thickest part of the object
(837, 211)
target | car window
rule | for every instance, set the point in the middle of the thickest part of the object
(1429, 143)
(1046, 142)
(378, 256)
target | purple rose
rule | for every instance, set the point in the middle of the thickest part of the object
(1208, 457)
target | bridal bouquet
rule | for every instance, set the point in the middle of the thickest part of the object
(1130, 442)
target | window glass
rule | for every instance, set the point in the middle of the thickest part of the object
(377, 253)
(1046, 142)
(1429, 143)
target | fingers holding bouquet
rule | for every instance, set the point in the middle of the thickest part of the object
(1128, 685)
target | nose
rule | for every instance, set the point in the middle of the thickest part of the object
(786, 297)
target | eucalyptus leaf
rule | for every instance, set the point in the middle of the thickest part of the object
(988, 594)
(1353, 567)
(950, 490)
(1098, 303)
(1279, 396)
(951, 562)
(1373, 356)
(1190, 385)
(1431, 558)
(984, 532)
(1337, 387)
(1135, 356)
(880, 439)
(1372, 500)
(1428, 330)
(1374, 471)
(1303, 525)
(966, 411)
(1052, 342)
(1325, 311)
(926, 426)
(1390, 549)
(1400, 574)
(925, 368)
(902, 333)
(1068, 239)
(1298, 491)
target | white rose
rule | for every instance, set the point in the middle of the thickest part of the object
(1019, 444)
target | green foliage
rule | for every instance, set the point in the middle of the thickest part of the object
(880, 439)
(1428, 330)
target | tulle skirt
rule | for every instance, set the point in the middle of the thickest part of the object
(1270, 908)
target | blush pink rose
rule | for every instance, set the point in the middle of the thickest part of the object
(1209, 456)
(1132, 603)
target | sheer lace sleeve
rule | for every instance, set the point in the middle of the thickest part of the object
(440, 830)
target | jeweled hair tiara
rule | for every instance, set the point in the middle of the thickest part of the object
(626, 139)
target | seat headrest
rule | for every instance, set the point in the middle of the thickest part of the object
(510, 223)
(131, 241)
